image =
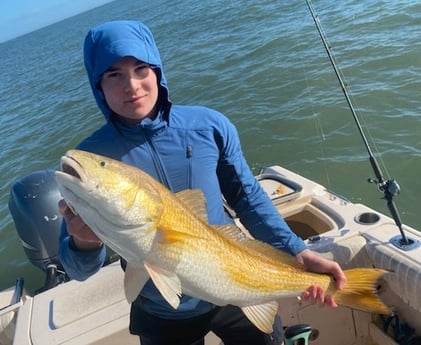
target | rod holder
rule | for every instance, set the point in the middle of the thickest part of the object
(405, 244)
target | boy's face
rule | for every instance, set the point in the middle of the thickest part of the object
(131, 89)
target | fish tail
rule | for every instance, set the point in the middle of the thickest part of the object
(361, 290)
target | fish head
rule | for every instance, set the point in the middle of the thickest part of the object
(108, 195)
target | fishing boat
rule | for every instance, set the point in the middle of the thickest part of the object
(95, 311)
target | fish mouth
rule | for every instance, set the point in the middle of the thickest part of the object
(67, 166)
(68, 177)
(71, 168)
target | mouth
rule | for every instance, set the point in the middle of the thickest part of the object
(68, 177)
(70, 167)
(135, 99)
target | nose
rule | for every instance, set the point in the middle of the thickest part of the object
(131, 84)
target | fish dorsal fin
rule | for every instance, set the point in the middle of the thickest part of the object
(262, 315)
(235, 233)
(195, 200)
(167, 283)
(135, 278)
(232, 231)
(273, 253)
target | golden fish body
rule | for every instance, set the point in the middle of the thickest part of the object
(166, 237)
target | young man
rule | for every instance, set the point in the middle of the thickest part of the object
(184, 147)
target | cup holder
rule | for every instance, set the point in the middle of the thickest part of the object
(367, 218)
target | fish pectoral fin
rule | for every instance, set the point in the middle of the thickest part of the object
(167, 283)
(170, 237)
(262, 315)
(167, 236)
(135, 278)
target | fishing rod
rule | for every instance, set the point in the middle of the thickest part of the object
(390, 188)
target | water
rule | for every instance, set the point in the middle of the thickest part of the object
(262, 64)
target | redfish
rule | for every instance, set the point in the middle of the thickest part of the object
(166, 237)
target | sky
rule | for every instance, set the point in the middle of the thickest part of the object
(18, 17)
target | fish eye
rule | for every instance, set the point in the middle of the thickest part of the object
(103, 163)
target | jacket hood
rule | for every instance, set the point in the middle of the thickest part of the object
(107, 43)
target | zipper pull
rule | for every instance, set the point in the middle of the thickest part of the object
(189, 151)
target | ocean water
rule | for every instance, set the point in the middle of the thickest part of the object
(259, 62)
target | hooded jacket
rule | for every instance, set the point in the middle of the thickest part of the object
(184, 147)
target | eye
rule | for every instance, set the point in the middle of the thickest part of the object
(142, 70)
(103, 163)
(142, 66)
(111, 75)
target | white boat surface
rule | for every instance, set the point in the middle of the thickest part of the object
(95, 311)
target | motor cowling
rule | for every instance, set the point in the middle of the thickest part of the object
(33, 204)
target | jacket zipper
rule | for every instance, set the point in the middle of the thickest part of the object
(189, 154)
(157, 163)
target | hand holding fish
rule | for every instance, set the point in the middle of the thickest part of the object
(314, 263)
(84, 238)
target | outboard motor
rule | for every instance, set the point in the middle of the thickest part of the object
(33, 204)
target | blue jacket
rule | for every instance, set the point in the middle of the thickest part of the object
(185, 147)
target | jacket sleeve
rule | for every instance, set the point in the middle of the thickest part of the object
(245, 195)
(79, 265)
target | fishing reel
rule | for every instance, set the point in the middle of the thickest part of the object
(300, 334)
(390, 187)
